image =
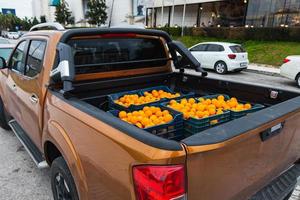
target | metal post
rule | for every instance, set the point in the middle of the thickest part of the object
(162, 13)
(183, 18)
(173, 10)
(152, 20)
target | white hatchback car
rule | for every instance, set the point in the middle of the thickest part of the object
(221, 56)
(291, 68)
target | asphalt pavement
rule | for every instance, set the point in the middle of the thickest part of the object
(21, 180)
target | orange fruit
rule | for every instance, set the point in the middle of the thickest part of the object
(200, 114)
(248, 106)
(221, 98)
(139, 125)
(165, 112)
(191, 100)
(146, 108)
(212, 111)
(201, 99)
(134, 120)
(168, 118)
(145, 121)
(122, 114)
(158, 113)
(148, 113)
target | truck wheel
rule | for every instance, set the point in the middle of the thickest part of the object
(221, 67)
(4, 117)
(62, 182)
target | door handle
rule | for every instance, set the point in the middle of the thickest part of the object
(14, 87)
(34, 99)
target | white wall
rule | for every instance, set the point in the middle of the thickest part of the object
(190, 15)
(24, 8)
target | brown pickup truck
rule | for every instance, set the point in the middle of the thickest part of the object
(54, 97)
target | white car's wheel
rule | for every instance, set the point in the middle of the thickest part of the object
(298, 80)
(221, 67)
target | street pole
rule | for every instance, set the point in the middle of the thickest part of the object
(183, 18)
(162, 12)
(111, 12)
(173, 10)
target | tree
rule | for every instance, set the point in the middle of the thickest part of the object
(43, 19)
(35, 21)
(63, 14)
(96, 13)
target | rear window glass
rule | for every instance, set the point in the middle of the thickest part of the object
(237, 49)
(111, 54)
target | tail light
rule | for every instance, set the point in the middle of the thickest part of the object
(159, 182)
(231, 56)
(286, 60)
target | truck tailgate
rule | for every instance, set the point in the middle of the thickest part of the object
(237, 159)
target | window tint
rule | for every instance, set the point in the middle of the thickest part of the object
(5, 52)
(35, 57)
(18, 59)
(110, 54)
(215, 48)
(237, 49)
(200, 47)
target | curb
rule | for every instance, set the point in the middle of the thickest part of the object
(263, 72)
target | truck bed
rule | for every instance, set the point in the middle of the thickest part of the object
(95, 94)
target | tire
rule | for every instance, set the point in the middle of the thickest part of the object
(4, 117)
(62, 182)
(298, 80)
(221, 67)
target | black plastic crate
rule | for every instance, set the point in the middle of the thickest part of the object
(113, 97)
(239, 114)
(173, 130)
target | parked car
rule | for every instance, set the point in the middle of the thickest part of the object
(5, 50)
(291, 68)
(4, 41)
(54, 96)
(13, 35)
(221, 56)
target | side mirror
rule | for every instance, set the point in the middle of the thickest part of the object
(2, 63)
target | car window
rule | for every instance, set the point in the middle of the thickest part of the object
(200, 47)
(4, 41)
(237, 49)
(112, 54)
(215, 48)
(35, 57)
(5, 52)
(17, 62)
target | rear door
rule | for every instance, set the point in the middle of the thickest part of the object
(213, 54)
(235, 160)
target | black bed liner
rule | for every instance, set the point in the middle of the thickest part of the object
(88, 95)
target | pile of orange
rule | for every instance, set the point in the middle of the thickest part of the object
(149, 97)
(148, 117)
(206, 107)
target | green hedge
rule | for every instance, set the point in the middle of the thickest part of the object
(260, 34)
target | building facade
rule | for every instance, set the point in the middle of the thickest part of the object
(224, 13)
(118, 11)
(19, 8)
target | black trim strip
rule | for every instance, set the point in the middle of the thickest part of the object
(94, 31)
(132, 131)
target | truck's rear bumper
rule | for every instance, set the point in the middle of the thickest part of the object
(280, 187)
